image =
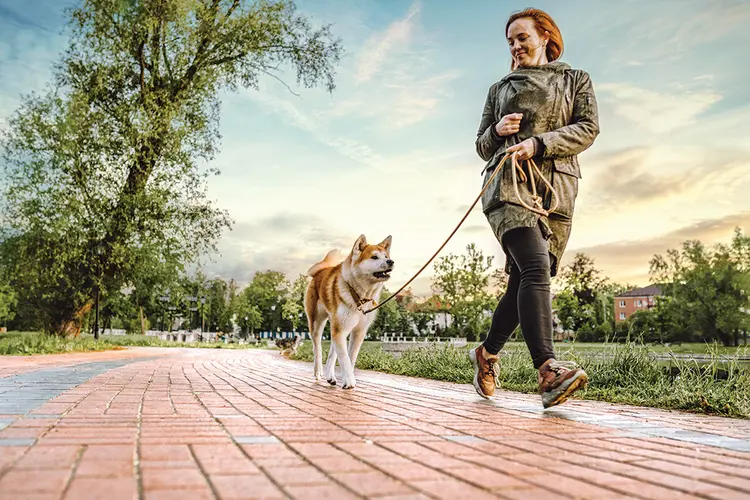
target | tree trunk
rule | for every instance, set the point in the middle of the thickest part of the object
(143, 320)
(73, 326)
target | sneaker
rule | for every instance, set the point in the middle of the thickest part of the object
(486, 371)
(558, 380)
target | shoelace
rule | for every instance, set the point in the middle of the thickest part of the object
(558, 366)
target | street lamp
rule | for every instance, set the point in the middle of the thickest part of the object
(203, 301)
(273, 317)
(164, 299)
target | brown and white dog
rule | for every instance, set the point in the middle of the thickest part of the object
(341, 291)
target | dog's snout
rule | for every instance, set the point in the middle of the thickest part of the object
(389, 262)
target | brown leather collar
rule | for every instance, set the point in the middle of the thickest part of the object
(357, 299)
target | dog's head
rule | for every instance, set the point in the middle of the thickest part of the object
(372, 262)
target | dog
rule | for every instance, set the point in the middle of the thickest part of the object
(289, 346)
(340, 291)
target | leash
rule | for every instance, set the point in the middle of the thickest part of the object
(536, 200)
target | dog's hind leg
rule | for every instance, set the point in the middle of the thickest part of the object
(316, 333)
(317, 322)
(331, 364)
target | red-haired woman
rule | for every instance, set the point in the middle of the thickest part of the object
(543, 110)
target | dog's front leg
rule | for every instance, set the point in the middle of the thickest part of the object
(347, 370)
(355, 343)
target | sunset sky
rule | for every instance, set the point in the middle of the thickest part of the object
(391, 151)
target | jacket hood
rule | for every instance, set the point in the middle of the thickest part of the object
(554, 66)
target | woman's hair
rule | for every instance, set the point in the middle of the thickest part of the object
(542, 22)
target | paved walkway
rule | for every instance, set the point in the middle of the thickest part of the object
(193, 424)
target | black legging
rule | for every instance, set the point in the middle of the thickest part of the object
(528, 297)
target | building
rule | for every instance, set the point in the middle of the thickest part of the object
(635, 300)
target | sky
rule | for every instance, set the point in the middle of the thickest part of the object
(391, 150)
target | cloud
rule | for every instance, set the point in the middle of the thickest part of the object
(628, 261)
(717, 19)
(286, 242)
(668, 34)
(379, 46)
(657, 112)
(641, 174)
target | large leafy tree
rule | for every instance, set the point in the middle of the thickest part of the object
(268, 291)
(111, 159)
(463, 282)
(711, 287)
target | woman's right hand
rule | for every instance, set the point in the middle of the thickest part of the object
(509, 124)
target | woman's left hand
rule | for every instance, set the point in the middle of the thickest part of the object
(525, 149)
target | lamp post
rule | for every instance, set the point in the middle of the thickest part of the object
(203, 301)
(273, 318)
(171, 317)
(164, 299)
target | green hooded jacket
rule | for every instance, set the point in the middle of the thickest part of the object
(560, 113)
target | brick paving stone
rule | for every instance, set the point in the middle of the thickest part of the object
(172, 479)
(97, 488)
(250, 424)
(253, 486)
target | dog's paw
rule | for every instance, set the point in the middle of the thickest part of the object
(349, 382)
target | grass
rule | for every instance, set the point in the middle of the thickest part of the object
(626, 375)
(29, 343)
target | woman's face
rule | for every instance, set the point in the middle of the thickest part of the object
(527, 46)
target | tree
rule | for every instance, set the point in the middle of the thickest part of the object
(219, 305)
(499, 282)
(267, 291)
(112, 157)
(592, 295)
(291, 311)
(8, 303)
(566, 306)
(294, 305)
(710, 287)
(249, 316)
(462, 281)
(387, 317)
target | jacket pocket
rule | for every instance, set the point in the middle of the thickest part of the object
(566, 186)
(568, 165)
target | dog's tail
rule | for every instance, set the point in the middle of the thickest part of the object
(331, 259)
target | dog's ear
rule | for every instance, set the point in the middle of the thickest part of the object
(360, 244)
(386, 243)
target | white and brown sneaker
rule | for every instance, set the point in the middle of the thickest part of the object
(486, 371)
(558, 380)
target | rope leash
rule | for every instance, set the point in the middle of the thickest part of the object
(536, 200)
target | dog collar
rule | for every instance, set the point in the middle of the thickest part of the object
(357, 299)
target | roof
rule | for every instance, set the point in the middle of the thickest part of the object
(647, 291)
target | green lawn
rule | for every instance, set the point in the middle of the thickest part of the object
(627, 374)
(28, 343)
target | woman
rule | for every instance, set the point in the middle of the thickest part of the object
(546, 111)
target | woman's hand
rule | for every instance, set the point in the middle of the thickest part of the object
(508, 124)
(525, 149)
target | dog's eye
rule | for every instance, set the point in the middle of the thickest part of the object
(374, 257)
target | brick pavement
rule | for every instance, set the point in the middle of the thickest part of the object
(250, 424)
